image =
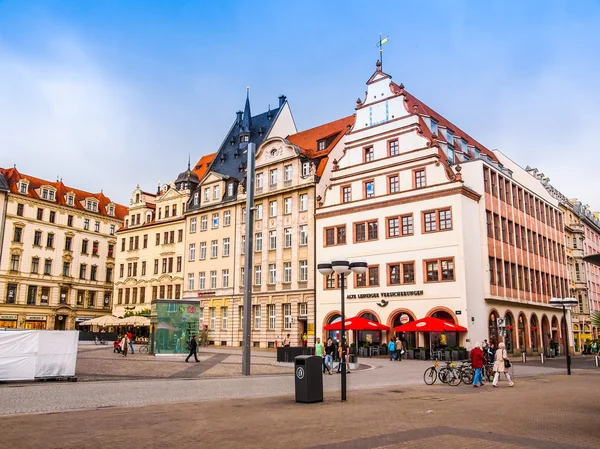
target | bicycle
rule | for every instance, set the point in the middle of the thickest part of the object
(448, 374)
(143, 349)
(466, 372)
(99, 341)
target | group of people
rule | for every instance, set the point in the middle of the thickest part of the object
(396, 349)
(480, 357)
(328, 351)
(123, 343)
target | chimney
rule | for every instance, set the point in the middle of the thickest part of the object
(282, 99)
(239, 117)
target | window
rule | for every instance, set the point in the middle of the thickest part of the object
(407, 224)
(52, 218)
(437, 220)
(215, 221)
(37, 238)
(31, 294)
(393, 148)
(373, 276)
(434, 126)
(272, 240)
(273, 177)
(202, 250)
(213, 279)
(335, 235)
(206, 195)
(303, 271)
(369, 189)
(230, 189)
(226, 246)
(305, 169)
(192, 252)
(288, 237)
(419, 178)
(259, 181)
(196, 198)
(439, 270)
(365, 231)
(14, 262)
(201, 280)
(393, 184)
(35, 264)
(303, 202)
(216, 192)
(287, 206)
(272, 273)
(258, 212)
(258, 275)
(287, 316)
(93, 272)
(192, 225)
(408, 271)
(20, 208)
(243, 246)
(40, 214)
(179, 263)
(272, 208)
(303, 235)
(242, 276)
(272, 316)
(346, 194)
(227, 218)
(256, 313)
(214, 249)
(368, 154)
(48, 266)
(486, 179)
(330, 281)
(288, 173)
(50, 241)
(204, 222)
(213, 317)
(18, 235)
(66, 269)
(97, 226)
(225, 279)
(393, 227)
(258, 242)
(287, 272)
(86, 224)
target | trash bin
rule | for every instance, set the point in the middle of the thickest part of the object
(308, 378)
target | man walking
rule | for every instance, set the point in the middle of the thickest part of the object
(130, 338)
(192, 346)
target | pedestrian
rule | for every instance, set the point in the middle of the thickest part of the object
(124, 344)
(320, 352)
(392, 348)
(329, 353)
(286, 341)
(501, 365)
(477, 361)
(399, 349)
(130, 338)
(344, 355)
(192, 346)
(204, 336)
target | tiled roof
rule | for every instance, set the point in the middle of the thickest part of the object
(331, 132)
(231, 158)
(3, 184)
(415, 106)
(13, 176)
(202, 166)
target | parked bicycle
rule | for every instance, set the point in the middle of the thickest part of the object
(143, 349)
(466, 372)
(447, 374)
(99, 341)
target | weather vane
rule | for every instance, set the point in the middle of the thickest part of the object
(380, 45)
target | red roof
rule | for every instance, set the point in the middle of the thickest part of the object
(202, 166)
(13, 177)
(332, 132)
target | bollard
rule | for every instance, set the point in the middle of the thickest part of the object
(524, 357)
(597, 361)
(543, 359)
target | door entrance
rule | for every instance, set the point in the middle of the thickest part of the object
(60, 322)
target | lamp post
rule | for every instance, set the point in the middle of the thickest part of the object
(565, 302)
(342, 267)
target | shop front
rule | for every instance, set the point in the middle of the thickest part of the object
(9, 321)
(37, 322)
(175, 323)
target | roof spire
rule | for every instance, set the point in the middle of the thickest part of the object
(247, 120)
(189, 160)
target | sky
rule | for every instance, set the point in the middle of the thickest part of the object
(111, 94)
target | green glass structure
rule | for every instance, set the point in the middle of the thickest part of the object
(174, 323)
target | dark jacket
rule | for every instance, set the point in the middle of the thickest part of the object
(192, 345)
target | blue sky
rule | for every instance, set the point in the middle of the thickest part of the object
(109, 94)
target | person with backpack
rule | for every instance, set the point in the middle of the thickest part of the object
(192, 346)
(392, 349)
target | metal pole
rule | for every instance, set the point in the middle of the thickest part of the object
(566, 337)
(248, 263)
(343, 342)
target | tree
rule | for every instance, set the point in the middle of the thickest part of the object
(144, 312)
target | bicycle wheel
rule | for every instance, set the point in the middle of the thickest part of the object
(467, 376)
(430, 376)
(454, 378)
(443, 375)
(96, 341)
(143, 349)
(489, 373)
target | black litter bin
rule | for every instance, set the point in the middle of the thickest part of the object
(308, 378)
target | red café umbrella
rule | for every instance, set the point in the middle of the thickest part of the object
(430, 324)
(357, 323)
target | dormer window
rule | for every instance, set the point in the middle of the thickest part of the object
(305, 169)
(47, 194)
(91, 205)
(70, 200)
(23, 187)
(463, 145)
(230, 189)
(207, 194)
(137, 198)
(450, 137)
(111, 210)
(434, 127)
(196, 198)
(321, 145)
(216, 192)
(244, 138)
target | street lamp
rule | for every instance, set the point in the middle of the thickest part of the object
(342, 267)
(565, 302)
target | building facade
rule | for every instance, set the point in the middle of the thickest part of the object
(431, 210)
(58, 253)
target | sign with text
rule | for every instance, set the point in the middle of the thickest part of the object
(385, 294)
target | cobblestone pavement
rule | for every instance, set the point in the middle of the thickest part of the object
(201, 382)
(546, 411)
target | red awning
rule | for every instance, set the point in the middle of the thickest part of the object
(430, 324)
(357, 324)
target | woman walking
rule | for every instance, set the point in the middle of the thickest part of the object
(124, 344)
(477, 361)
(501, 365)
(329, 353)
